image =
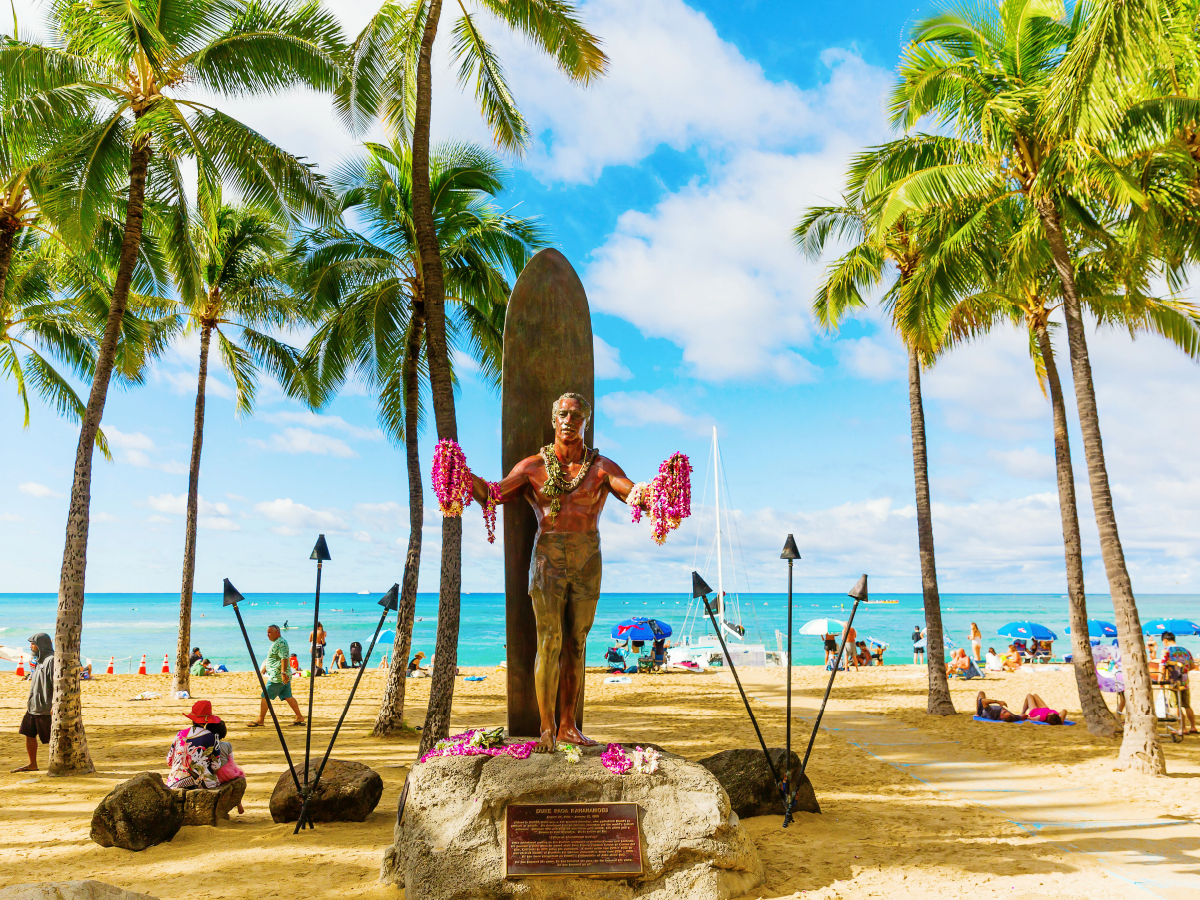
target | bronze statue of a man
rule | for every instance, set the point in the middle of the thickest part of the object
(566, 484)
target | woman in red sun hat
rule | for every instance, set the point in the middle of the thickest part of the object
(193, 757)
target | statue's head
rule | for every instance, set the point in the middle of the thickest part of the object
(571, 413)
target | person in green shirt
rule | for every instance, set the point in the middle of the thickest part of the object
(202, 667)
(278, 680)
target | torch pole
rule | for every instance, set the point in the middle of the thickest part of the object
(787, 757)
(817, 724)
(312, 677)
(321, 768)
(279, 731)
(774, 775)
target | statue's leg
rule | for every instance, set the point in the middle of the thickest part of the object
(548, 591)
(577, 622)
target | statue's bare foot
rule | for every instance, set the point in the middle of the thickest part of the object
(569, 734)
(546, 744)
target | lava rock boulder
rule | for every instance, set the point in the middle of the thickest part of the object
(69, 890)
(747, 780)
(137, 814)
(204, 807)
(348, 792)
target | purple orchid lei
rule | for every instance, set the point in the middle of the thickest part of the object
(616, 760)
(667, 497)
(478, 742)
(451, 478)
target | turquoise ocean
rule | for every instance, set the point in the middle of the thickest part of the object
(127, 625)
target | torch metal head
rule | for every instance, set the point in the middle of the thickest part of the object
(321, 550)
(699, 586)
(232, 596)
(790, 550)
(859, 591)
(389, 600)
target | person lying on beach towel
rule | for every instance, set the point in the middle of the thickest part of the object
(996, 710)
(1035, 708)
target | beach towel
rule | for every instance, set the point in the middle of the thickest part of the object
(1022, 722)
(475, 678)
(618, 679)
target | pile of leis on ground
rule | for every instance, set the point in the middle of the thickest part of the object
(667, 497)
(478, 742)
(452, 485)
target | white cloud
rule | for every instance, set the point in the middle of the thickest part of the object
(301, 440)
(363, 537)
(321, 422)
(123, 441)
(607, 360)
(33, 489)
(176, 504)
(1025, 462)
(634, 409)
(871, 358)
(387, 516)
(103, 517)
(293, 517)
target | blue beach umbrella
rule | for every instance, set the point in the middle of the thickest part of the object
(640, 628)
(1026, 631)
(1099, 628)
(1175, 626)
(388, 637)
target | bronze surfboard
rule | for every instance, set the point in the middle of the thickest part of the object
(547, 352)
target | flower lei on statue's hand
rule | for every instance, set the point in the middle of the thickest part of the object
(667, 497)
(557, 484)
(452, 485)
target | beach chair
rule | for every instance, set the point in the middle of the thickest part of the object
(356, 659)
(645, 665)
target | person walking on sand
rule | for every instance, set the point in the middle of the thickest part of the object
(852, 643)
(918, 642)
(278, 680)
(976, 642)
(35, 724)
(317, 640)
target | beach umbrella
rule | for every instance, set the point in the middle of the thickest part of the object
(1027, 630)
(1175, 626)
(822, 626)
(640, 628)
(388, 637)
(1099, 628)
(875, 643)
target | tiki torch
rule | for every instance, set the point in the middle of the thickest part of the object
(389, 602)
(320, 554)
(790, 552)
(233, 598)
(859, 593)
(700, 588)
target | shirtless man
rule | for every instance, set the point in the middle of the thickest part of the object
(567, 485)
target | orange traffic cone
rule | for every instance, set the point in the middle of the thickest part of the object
(166, 665)
(21, 666)
(111, 659)
(142, 667)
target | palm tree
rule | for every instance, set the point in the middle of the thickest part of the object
(368, 285)
(1025, 292)
(244, 273)
(132, 63)
(391, 77)
(987, 74)
(904, 249)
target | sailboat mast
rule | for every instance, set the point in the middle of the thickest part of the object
(717, 496)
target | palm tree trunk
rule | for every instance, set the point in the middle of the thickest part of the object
(1099, 718)
(8, 238)
(935, 654)
(1140, 749)
(391, 710)
(183, 648)
(445, 664)
(68, 741)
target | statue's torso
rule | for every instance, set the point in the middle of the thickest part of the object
(579, 510)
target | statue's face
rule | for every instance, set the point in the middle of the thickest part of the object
(569, 421)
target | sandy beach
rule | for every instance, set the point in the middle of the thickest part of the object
(883, 832)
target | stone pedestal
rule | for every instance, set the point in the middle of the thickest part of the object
(449, 842)
(205, 807)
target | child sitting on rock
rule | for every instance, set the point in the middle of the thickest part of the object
(227, 769)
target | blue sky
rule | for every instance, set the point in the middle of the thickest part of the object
(672, 186)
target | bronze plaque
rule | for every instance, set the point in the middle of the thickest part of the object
(598, 839)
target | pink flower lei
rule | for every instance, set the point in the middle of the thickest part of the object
(667, 497)
(489, 510)
(451, 478)
(616, 760)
